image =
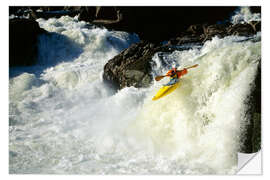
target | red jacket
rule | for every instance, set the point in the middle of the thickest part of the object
(180, 73)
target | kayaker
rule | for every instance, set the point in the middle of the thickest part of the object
(175, 75)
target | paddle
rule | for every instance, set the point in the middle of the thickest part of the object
(158, 78)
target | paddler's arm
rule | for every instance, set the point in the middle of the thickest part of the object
(182, 72)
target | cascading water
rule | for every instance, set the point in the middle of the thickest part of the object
(244, 15)
(65, 120)
(201, 121)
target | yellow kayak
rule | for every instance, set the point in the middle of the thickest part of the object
(165, 90)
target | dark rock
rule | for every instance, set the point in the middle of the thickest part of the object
(46, 11)
(215, 30)
(109, 13)
(251, 133)
(23, 34)
(73, 8)
(17, 10)
(87, 14)
(256, 25)
(185, 39)
(256, 135)
(52, 14)
(196, 29)
(100, 15)
(241, 30)
(157, 24)
(199, 33)
(255, 9)
(188, 39)
(132, 66)
(49, 8)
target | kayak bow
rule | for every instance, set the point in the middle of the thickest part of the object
(165, 90)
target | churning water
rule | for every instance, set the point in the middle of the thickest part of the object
(65, 120)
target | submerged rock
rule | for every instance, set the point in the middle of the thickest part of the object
(23, 34)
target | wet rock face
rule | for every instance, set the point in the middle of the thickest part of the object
(251, 135)
(241, 30)
(199, 33)
(131, 67)
(23, 34)
(215, 30)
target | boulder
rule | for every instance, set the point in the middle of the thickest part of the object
(215, 30)
(23, 34)
(241, 30)
(132, 66)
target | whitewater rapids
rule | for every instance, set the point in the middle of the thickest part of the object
(63, 119)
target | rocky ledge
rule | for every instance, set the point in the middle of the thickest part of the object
(132, 67)
(23, 36)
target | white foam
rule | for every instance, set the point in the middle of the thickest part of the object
(202, 120)
(66, 120)
(244, 15)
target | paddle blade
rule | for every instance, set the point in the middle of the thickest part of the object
(158, 78)
(193, 66)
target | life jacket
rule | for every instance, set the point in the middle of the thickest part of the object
(171, 72)
(176, 74)
(181, 73)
